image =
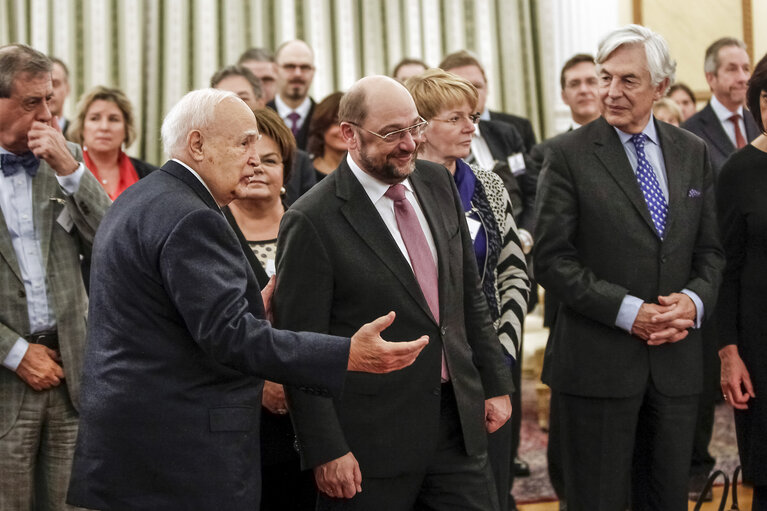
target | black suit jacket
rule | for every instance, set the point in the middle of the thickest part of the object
(522, 125)
(177, 348)
(503, 141)
(339, 266)
(302, 178)
(302, 137)
(596, 243)
(707, 126)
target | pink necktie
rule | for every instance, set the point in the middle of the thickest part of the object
(420, 255)
(740, 140)
(294, 117)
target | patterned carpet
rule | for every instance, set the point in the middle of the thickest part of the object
(532, 449)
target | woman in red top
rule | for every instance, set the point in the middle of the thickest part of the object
(104, 127)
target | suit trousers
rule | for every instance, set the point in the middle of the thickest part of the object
(637, 448)
(36, 453)
(451, 480)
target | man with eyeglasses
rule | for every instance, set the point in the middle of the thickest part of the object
(386, 232)
(295, 72)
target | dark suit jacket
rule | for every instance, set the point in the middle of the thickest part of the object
(338, 266)
(177, 347)
(707, 126)
(522, 125)
(302, 137)
(504, 141)
(596, 243)
(61, 250)
(302, 178)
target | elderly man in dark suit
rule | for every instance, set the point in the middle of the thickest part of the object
(627, 242)
(384, 232)
(178, 344)
(50, 207)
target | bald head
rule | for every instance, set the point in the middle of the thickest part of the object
(295, 72)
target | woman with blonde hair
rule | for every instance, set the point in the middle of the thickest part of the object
(449, 104)
(104, 127)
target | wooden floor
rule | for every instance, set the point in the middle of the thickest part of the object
(744, 502)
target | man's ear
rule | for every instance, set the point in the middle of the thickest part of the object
(349, 135)
(194, 142)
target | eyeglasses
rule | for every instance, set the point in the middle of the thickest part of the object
(291, 68)
(416, 130)
(455, 119)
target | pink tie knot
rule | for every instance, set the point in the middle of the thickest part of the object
(396, 192)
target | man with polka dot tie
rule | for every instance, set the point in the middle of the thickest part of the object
(627, 241)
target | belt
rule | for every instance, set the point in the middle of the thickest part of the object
(49, 339)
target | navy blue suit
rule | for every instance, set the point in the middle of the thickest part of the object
(177, 349)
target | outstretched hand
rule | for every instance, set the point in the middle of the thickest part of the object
(369, 353)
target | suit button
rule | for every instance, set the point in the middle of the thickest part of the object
(84, 208)
(22, 294)
(663, 259)
(436, 391)
(443, 330)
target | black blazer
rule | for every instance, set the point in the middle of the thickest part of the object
(302, 137)
(338, 266)
(177, 349)
(503, 141)
(522, 125)
(707, 126)
(595, 243)
(302, 178)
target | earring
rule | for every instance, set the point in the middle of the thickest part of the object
(283, 190)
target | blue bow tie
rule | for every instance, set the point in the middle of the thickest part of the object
(12, 163)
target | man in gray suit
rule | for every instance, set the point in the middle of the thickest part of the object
(627, 241)
(50, 207)
(384, 232)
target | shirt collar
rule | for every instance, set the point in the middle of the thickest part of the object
(722, 112)
(373, 187)
(195, 174)
(485, 115)
(649, 130)
(283, 109)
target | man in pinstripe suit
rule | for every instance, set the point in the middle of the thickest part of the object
(50, 207)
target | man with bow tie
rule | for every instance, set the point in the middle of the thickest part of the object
(50, 207)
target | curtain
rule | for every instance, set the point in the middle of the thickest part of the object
(156, 51)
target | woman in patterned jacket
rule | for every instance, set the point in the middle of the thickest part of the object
(449, 103)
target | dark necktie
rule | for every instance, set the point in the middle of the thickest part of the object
(648, 181)
(12, 163)
(294, 117)
(740, 140)
(418, 250)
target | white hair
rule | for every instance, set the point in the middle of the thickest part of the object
(195, 111)
(659, 61)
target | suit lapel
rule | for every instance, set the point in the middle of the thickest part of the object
(365, 220)
(179, 171)
(674, 161)
(610, 152)
(45, 187)
(715, 132)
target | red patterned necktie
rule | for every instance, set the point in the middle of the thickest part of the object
(420, 255)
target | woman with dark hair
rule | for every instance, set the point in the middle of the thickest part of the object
(683, 96)
(104, 127)
(740, 315)
(449, 104)
(256, 221)
(326, 145)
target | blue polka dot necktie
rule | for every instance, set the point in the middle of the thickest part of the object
(648, 181)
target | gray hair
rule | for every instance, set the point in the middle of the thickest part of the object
(659, 61)
(195, 111)
(711, 63)
(16, 59)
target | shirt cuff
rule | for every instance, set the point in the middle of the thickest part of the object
(698, 306)
(13, 359)
(627, 314)
(71, 182)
